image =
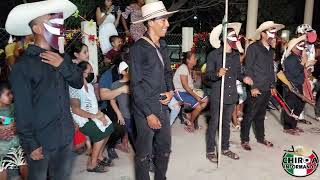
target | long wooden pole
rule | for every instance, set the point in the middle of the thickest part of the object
(225, 25)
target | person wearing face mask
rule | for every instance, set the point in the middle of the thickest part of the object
(260, 68)
(92, 122)
(311, 36)
(40, 81)
(214, 73)
(293, 66)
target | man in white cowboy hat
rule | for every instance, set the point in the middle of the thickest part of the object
(40, 80)
(293, 67)
(232, 73)
(151, 84)
(259, 67)
(311, 37)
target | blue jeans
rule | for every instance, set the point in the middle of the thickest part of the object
(58, 163)
(175, 109)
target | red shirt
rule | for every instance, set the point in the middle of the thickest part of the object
(111, 54)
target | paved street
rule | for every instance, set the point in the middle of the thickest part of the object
(188, 160)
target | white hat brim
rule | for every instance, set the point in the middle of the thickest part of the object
(19, 17)
(292, 43)
(155, 16)
(216, 32)
(263, 28)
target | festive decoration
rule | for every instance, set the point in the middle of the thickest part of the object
(70, 33)
(77, 15)
(92, 38)
(200, 40)
(91, 23)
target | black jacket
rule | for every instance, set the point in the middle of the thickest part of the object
(42, 103)
(214, 63)
(148, 76)
(259, 66)
(293, 70)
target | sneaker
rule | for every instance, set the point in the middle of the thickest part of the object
(112, 154)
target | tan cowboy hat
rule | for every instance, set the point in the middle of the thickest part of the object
(19, 17)
(216, 32)
(153, 9)
(265, 26)
(292, 43)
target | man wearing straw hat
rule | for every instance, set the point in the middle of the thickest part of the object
(259, 67)
(293, 67)
(214, 73)
(152, 88)
(40, 81)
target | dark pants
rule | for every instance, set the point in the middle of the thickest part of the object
(130, 128)
(317, 108)
(296, 104)
(214, 123)
(119, 130)
(254, 112)
(58, 163)
(152, 142)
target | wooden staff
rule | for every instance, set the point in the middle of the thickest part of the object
(225, 25)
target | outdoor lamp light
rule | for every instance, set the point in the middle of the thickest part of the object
(285, 34)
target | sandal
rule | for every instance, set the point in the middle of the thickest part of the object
(299, 130)
(189, 129)
(98, 169)
(291, 132)
(246, 146)
(212, 157)
(304, 121)
(236, 127)
(266, 143)
(106, 162)
(88, 152)
(230, 154)
(189, 126)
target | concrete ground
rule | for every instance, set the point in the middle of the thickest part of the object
(188, 161)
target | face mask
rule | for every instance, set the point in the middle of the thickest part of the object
(234, 42)
(54, 31)
(271, 35)
(300, 47)
(90, 77)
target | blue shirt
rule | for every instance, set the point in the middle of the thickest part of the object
(105, 82)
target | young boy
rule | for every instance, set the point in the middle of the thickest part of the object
(121, 106)
(116, 43)
(11, 153)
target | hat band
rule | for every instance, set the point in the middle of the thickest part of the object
(153, 13)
